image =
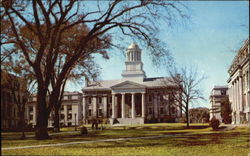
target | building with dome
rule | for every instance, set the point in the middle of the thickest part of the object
(134, 99)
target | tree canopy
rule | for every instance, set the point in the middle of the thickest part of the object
(57, 37)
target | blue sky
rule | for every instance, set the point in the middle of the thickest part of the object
(208, 41)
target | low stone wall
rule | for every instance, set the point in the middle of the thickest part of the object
(127, 121)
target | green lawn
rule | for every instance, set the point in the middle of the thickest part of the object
(234, 142)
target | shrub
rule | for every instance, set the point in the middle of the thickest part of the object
(182, 120)
(83, 130)
(214, 123)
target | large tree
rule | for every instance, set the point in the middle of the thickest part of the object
(187, 81)
(49, 21)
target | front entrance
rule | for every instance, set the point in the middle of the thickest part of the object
(128, 105)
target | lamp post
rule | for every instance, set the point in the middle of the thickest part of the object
(75, 121)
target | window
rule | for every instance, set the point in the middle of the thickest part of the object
(161, 97)
(223, 92)
(62, 116)
(173, 110)
(89, 112)
(110, 99)
(89, 100)
(14, 112)
(30, 98)
(161, 110)
(166, 97)
(31, 117)
(70, 97)
(69, 107)
(30, 108)
(150, 98)
(150, 111)
(100, 99)
(99, 112)
(62, 108)
(110, 112)
(171, 99)
(69, 124)
(69, 116)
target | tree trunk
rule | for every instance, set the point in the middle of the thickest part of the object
(56, 120)
(22, 124)
(42, 115)
(187, 118)
(57, 105)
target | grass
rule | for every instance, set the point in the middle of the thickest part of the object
(234, 142)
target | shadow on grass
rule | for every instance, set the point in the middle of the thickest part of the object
(180, 141)
(116, 133)
(197, 127)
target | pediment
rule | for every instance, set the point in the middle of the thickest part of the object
(128, 85)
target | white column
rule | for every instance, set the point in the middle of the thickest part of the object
(133, 105)
(105, 107)
(34, 114)
(240, 94)
(94, 108)
(123, 105)
(143, 105)
(65, 115)
(116, 106)
(113, 105)
(84, 108)
(155, 103)
(27, 112)
(237, 94)
(234, 95)
(238, 102)
(131, 56)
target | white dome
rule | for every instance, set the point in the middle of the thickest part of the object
(133, 46)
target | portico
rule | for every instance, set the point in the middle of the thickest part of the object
(128, 109)
(128, 100)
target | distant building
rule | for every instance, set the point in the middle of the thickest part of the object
(239, 85)
(9, 116)
(217, 97)
(70, 112)
(134, 99)
(9, 110)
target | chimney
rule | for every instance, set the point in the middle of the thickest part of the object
(86, 82)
